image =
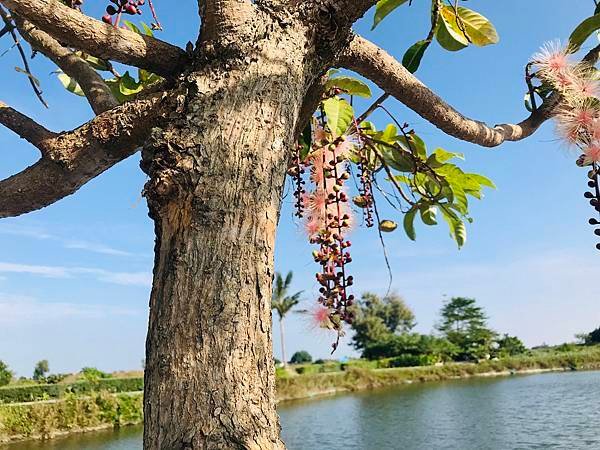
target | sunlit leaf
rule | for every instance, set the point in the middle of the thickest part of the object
(350, 86)
(339, 115)
(70, 84)
(383, 8)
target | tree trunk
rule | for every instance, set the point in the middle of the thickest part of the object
(216, 177)
(281, 333)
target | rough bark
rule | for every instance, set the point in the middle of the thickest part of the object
(216, 177)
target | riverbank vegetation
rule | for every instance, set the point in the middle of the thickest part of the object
(41, 411)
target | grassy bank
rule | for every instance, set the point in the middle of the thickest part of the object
(74, 412)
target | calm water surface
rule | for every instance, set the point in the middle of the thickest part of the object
(547, 411)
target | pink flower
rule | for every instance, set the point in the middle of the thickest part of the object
(320, 317)
(552, 59)
(586, 88)
(313, 224)
(343, 148)
(317, 202)
(577, 123)
(592, 153)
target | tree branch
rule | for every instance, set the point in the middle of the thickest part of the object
(370, 61)
(220, 17)
(99, 39)
(25, 127)
(71, 159)
(93, 86)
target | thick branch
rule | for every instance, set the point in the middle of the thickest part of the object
(372, 62)
(99, 39)
(22, 125)
(93, 86)
(73, 158)
(221, 17)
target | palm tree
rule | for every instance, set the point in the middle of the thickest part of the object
(283, 303)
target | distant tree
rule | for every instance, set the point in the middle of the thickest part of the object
(5, 374)
(40, 370)
(430, 349)
(93, 374)
(377, 319)
(283, 304)
(510, 346)
(591, 338)
(464, 324)
(301, 357)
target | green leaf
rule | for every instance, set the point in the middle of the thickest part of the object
(412, 58)
(339, 115)
(484, 181)
(132, 26)
(583, 31)
(409, 223)
(428, 214)
(447, 36)
(350, 86)
(147, 30)
(128, 86)
(442, 155)
(383, 8)
(70, 84)
(479, 29)
(416, 145)
(464, 26)
(457, 228)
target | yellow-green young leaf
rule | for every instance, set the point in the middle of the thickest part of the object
(70, 84)
(409, 223)
(442, 155)
(350, 86)
(339, 115)
(448, 35)
(132, 26)
(457, 228)
(383, 8)
(583, 31)
(484, 181)
(128, 86)
(478, 29)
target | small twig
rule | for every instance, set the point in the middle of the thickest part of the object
(154, 15)
(372, 108)
(528, 78)
(8, 24)
(385, 255)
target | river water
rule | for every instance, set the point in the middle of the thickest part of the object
(545, 411)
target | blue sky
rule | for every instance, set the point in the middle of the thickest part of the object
(75, 277)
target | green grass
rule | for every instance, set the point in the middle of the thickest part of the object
(42, 420)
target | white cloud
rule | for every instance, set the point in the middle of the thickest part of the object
(41, 234)
(143, 279)
(95, 248)
(15, 309)
(45, 271)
